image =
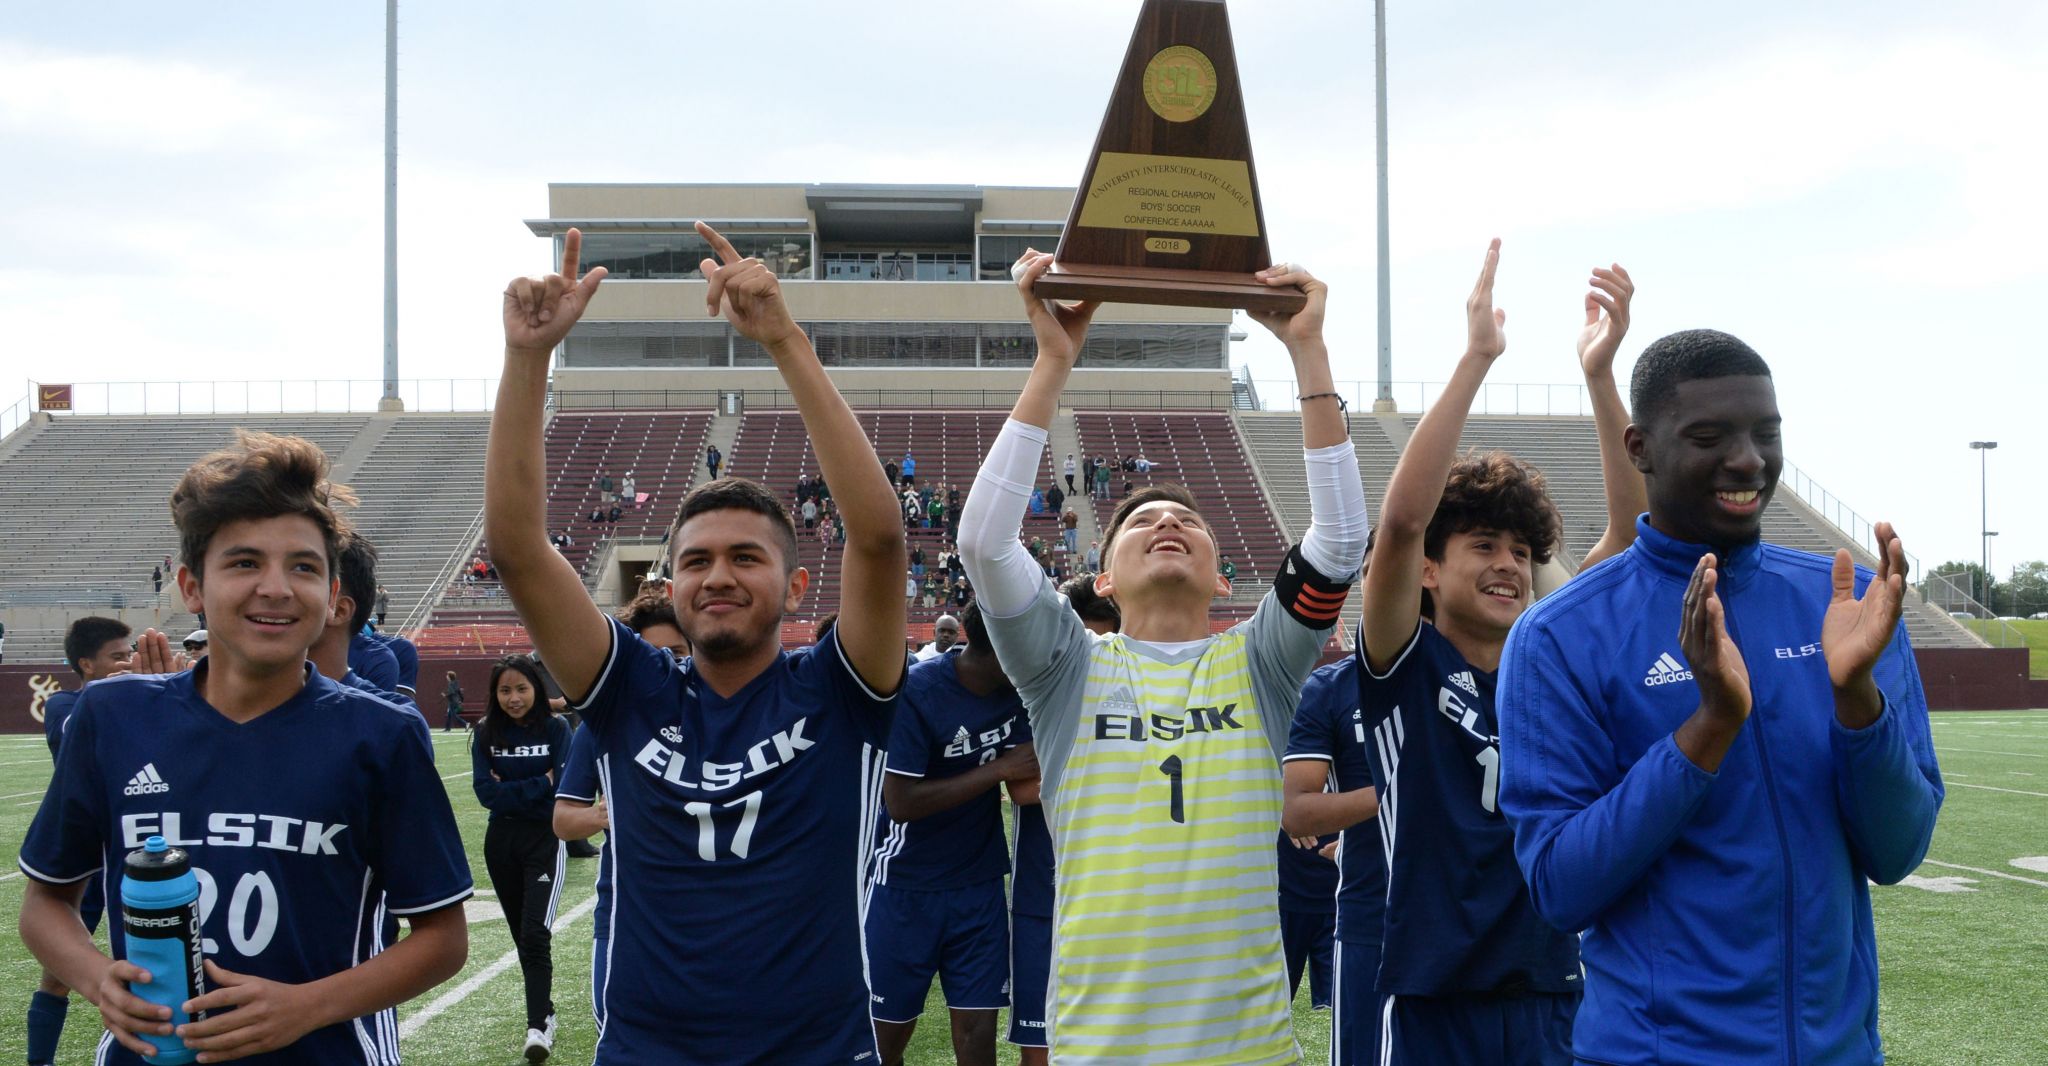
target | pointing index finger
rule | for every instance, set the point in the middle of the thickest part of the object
(727, 254)
(572, 252)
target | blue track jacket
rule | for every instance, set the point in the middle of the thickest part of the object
(1726, 915)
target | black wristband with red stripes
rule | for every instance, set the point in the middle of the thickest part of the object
(1313, 600)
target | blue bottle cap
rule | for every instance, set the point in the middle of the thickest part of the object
(155, 845)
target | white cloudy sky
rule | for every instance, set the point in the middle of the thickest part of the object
(194, 191)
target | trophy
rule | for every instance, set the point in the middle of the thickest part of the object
(1168, 210)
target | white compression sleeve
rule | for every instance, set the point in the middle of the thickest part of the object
(1338, 523)
(1005, 579)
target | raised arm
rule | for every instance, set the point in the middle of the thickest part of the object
(567, 629)
(1607, 314)
(1004, 575)
(1335, 542)
(1392, 606)
(871, 603)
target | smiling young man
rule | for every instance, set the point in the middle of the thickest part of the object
(1159, 746)
(1469, 973)
(1719, 736)
(741, 784)
(288, 863)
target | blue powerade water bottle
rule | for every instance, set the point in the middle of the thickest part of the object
(160, 915)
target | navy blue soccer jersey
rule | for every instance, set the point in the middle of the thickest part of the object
(740, 829)
(944, 730)
(408, 658)
(510, 770)
(1329, 727)
(57, 710)
(579, 782)
(368, 656)
(1308, 882)
(291, 861)
(1458, 917)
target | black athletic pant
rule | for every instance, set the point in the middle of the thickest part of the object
(526, 864)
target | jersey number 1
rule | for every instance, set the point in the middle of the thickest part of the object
(1172, 769)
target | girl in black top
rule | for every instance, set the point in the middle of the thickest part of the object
(517, 754)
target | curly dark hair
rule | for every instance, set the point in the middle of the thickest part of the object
(1495, 490)
(1688, 355)
(260, 475)
(651, 607)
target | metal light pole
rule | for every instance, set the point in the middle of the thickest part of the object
(1385, 400)
(390, 400)
(1984, 534)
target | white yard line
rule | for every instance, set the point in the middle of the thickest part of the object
(1979, 870)
(1994, 788)
(1988, 751)
(18, 795)
(10, 875)
(454, 996)
(451, 777)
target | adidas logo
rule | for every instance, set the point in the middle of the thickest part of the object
(543, 879)
(1666, 671)
(1463, 679)
(671, 734)
(961, 737)
(1121, 699)
(146, 782)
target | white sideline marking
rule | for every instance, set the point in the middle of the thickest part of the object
(10, 875)
(451, 777)
(1939, 884)
(18, 795)
(24, 762)
(1988, 751)
(2036, 863)
(449, 999)
(1995, 788)
(1975, 870)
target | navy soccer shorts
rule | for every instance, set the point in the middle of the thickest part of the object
(960, 934)
(1030, 977)
(1526, 1030)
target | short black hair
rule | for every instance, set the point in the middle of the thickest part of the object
(1169, 491)
(88, 635)
(651, 607)
(1688, 355)
(1092, 607)
(976, 627)
(356, 566)
(737, 494)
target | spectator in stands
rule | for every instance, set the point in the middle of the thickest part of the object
(945, 638)
(613, 515)
(908, 467)
(1071, 520)
(1054, 497)
(630, 489)
(935, 512)
(1129, 464)
(560, 540)
(195, 644)
(453, 694)
(1227, 568)
(1128, 486)
(961, 592)
(931, 591)
(156, 580)
(810, 512)
(383, 604)
(909, 589)
(604, 488)
(1037, 502)
(1101, 480)
(953, 498)
(803, 487)
(1142, 465)
(1070, 467)
(712, 458)
(1094, 560)
(889, 468)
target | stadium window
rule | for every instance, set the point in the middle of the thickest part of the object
(674, 256)
(999, 250)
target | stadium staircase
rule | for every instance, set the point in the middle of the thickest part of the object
(85, 513)
(1201, 450)
(663, 450)
(772, 447)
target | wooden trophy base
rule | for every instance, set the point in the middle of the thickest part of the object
(1161, 285)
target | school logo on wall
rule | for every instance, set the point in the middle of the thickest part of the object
(41, 687)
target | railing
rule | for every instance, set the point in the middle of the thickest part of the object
(1839, 514)
(423, 606)
(339, 396)
(1942, 591)
(733, 401)
(15, 417)
(1414, 397)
